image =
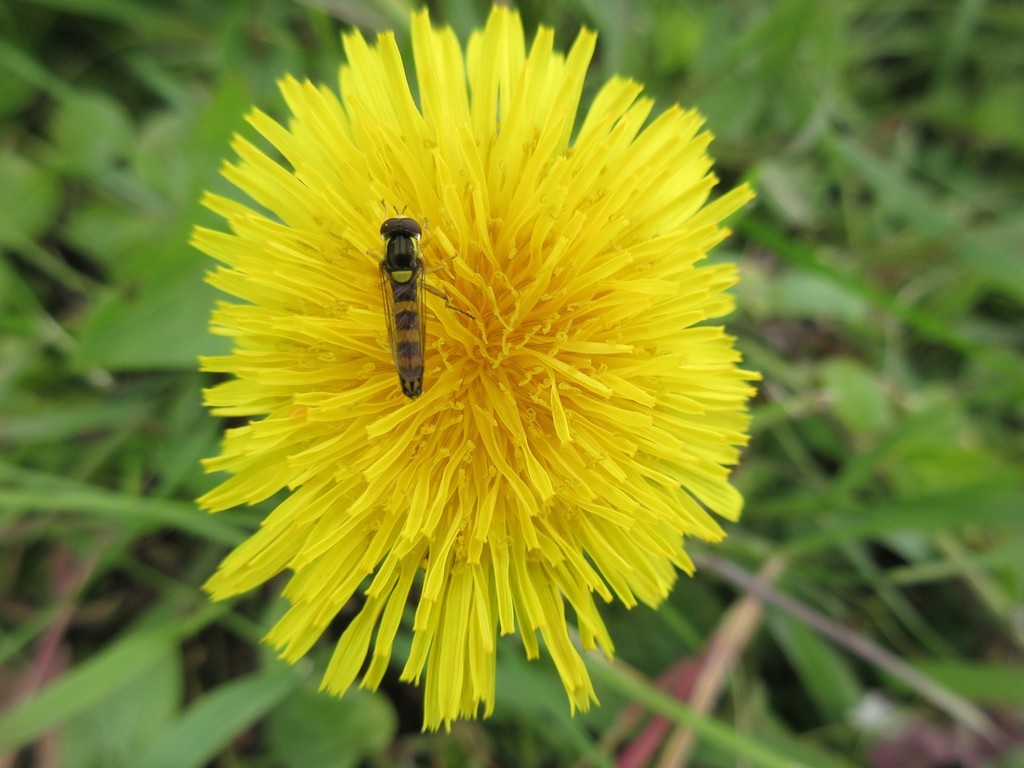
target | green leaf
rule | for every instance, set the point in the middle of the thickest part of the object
(992, 684)
(112, 732)
(823, 672)
(163, 326)
(16, 93)
(994, 253)
(166, 158)
(112, 234)
(219, 717)
(938, 450)
(858, 398)
(87, 685)
(190, 434)
(21, 309)
(91, 132)
(979, 505)
(677, 37)
(29, 200)
(791, 190)
(805, 295)
(32, 492)
(315, 729)
(136, 17)
(67, 419)
(1000, 114)
(157, 317)
(530, 692)
(1009, 556)
(897, 194)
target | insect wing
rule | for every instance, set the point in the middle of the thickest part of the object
(388, 292)
(419, 278)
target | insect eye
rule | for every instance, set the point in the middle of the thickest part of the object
(400, 226)
(412, 227)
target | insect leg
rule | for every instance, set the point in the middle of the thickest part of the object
(447, 300)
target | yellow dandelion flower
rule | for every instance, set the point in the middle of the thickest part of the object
(576, 421)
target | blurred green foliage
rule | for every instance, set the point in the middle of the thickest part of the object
(883, 298)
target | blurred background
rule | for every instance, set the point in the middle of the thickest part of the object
(868, 610)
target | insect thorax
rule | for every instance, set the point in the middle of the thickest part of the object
(401, 255)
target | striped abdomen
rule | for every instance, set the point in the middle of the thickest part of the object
(407, 331)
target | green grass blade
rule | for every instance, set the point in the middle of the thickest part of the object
(724, 737)
(214, 721)
(85, 685)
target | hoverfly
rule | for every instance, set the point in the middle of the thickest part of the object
(401, 281)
